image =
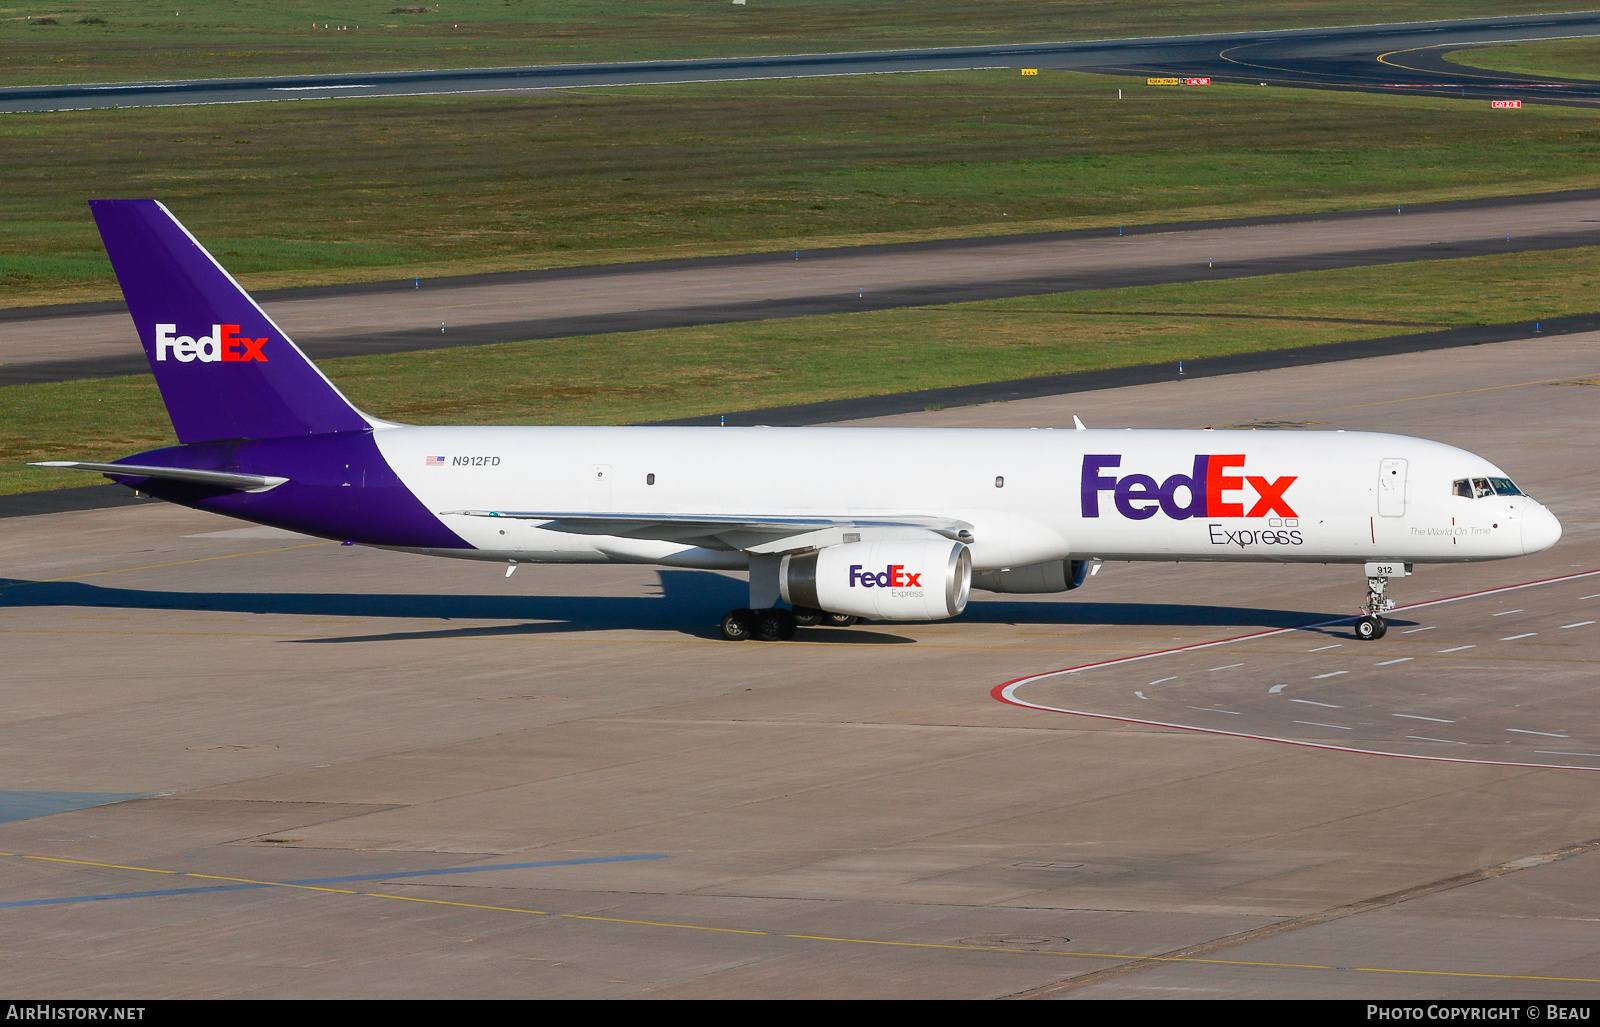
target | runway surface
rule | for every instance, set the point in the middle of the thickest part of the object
(96, 340)
(376, 775)
(1342, 57)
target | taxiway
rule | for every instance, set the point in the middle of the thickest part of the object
(1382, 58)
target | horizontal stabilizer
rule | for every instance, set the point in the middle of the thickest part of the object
(227, 479)
(750, 533)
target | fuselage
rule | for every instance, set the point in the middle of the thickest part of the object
(1031, 495)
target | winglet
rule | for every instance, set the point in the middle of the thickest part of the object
(1077, 424)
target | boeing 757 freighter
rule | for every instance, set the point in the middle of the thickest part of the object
(832, 524)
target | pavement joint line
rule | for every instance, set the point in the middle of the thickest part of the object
(1138, 960)
(158, 566)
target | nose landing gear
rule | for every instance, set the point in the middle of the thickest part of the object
(1371, 626)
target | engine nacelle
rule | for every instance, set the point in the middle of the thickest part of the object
(1054, 576)
(900, 580)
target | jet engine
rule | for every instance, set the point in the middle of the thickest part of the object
(1054, 576)
(896, 580)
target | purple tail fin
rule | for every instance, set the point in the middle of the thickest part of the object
(224, 369)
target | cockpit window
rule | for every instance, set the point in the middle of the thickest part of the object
(1477, 488)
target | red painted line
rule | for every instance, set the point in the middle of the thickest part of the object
(1006, 691)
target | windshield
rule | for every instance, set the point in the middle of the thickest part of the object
(1477, 488)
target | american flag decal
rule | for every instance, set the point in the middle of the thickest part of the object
(435, 461)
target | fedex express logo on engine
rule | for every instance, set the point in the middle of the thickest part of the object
(892, 576)
(1210, 491)
(223, 344)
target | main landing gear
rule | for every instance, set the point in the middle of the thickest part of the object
(765, 620)
(778, 625)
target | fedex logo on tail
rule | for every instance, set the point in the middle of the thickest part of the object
(223, 344)
(1210, 491)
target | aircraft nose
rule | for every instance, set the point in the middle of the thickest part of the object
(1540, 530)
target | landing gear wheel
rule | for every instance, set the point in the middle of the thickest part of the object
(806, 617)
(838, 620)
(1370, 628)
(738, 625)
(774, 625)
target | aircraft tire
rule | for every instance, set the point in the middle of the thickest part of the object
(739, 625)
(807, 617)
(838, 620)
(1370, 629)
(775, 625)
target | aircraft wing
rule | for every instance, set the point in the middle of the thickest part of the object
(755, 534)
(227, 479)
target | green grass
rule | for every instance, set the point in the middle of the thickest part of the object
(142, 39)
(653, 375)
(344, 190)
(1560, 58)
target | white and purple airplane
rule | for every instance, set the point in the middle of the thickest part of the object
(832, 524)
